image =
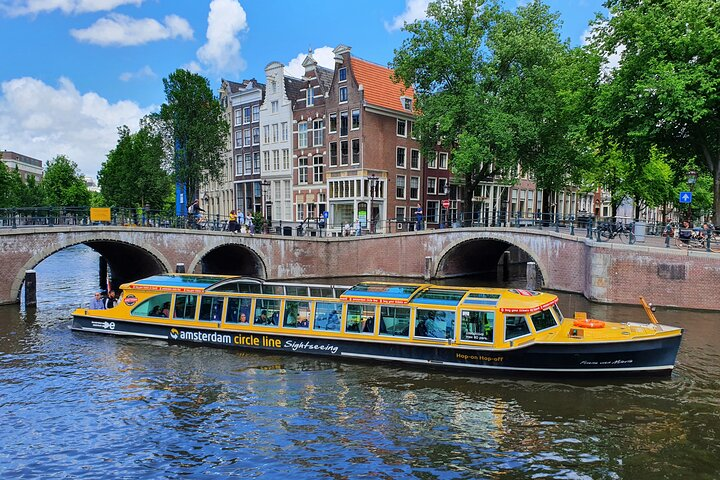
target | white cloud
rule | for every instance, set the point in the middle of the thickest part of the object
(43, 121)
(414, 10)
(323, 55)
(193, 67)
(145, 72)
(116, 29)
(612, 61)
(221, 52)
(31, 7)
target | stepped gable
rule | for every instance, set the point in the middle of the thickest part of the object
(379, 88)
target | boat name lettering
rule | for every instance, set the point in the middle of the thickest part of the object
(154, 288)
(478, 358)
(295, 346)
(608, 362)
(225, 339)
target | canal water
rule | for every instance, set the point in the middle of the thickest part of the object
(75, 405)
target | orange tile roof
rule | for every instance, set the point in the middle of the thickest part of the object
(379, 88)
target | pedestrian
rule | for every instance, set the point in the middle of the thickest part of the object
(194, 213)
(347, 229)
(358, 227)
(110, 301)
(97, 302)
(419, 216)
(232, 222)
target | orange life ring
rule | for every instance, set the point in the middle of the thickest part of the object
(589, 323)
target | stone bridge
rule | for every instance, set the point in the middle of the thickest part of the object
(603, 272)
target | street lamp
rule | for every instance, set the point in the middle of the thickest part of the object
(266, 203)
(445, 206)
(372, 182)
(691, 181)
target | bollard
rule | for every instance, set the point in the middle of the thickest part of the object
(557, 221)
(179, 268)
(30, 288)
(506, 266)
(531, 275)
(428, 268)
(667, 240)
(572, 227)
(707, 240)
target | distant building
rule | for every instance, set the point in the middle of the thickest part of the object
(91, 184)
(27, 166)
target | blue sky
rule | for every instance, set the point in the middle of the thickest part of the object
(72, 71)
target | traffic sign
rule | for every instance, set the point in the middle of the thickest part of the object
(325, 214)
(446, 203)
(685, 197)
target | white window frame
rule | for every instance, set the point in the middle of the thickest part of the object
(431, 186)
(400, 183)
(352, 119)
(398, 163)
(402, 122)
(302, 135)
(343, 91)
(419, 159)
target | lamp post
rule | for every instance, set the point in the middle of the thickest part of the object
(691, 180)
(372, 182)
(445, 206)
(266, 204)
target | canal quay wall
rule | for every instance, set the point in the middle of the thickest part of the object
(605, 272)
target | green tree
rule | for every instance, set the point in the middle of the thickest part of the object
(133, 173)
(63, 184)
(666, 89)
(7, 194)
(195, 130)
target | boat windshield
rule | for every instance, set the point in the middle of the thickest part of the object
(376, 290)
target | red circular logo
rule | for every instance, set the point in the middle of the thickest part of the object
(130, 300)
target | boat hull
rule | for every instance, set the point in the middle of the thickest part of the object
(652, 356)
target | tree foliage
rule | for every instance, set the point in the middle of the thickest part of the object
(63, 185)
(666, 89)
(133, 173)
(194, 129)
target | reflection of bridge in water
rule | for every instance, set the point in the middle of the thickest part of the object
(604, 272)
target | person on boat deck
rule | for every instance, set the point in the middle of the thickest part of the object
(333, 321)
(434, 327)
(166, 309)
(97, 302)
(110, 301)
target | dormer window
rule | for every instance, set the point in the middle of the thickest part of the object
(407, 103)
(342, 74)
(310, 96)
(343, 94)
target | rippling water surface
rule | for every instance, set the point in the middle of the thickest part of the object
(77, 405)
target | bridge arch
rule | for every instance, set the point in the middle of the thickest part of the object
(479, 254)
(126, 261)
(230, 259)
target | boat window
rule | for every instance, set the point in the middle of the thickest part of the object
(439, 297)
(185, 306)
(273, 290)
(228, 287)
(211, 309)
(297, 314)
(249, 288)
(515, 326)
(339, 291)
(296, 290)
(327, 316)
(326, 292)
(489, 299)
(238, 310)
(434, 323)
(543, 320)
(157, 306)
(360, 318)
(395, 321)
(267, 312)
(558, 313)
(477, 326)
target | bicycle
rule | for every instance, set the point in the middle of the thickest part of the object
(608, 231)
(687, 238)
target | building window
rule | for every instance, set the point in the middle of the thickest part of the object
(266, 133)
(400, 157)
(276, 160)
(407, 103)
(256, 113)
(400, 187)
(431, 186)
(284, 131)
(238, 139)
(333, 123)
(432, 212)
(355, 120)
(274, 106)
(399, 214)
(275, 133)
(411, 129)
(343, 94)
(302, 170)
(247, 114)
(344, 153)
(443, 164)
(246, 135)
(343, 124)
(333, 154)
(414, 188)
(442, 186)
(238, 117)
(318, 132)
(401, 125)
(266, 161)
(256, 162)
(238, 165)
(256, 135)
(286, 159)
(273, 86)
(415, 159)
(432, 160)
(356, 151)
(248, 164)
(318, 169)
(302, 135)
(310, 98)
(342, 74)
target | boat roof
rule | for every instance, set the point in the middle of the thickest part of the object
(419, 294)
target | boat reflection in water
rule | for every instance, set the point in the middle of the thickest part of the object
(479, 330)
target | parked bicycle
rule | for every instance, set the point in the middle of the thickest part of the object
(687, 238)
(609, 230)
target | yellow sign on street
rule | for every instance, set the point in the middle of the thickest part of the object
(100, 215)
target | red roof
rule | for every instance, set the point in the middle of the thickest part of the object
(378, 85)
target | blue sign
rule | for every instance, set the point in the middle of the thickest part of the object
(325, 214)
(685, 197)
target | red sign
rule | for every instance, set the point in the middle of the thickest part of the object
(446, 203)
